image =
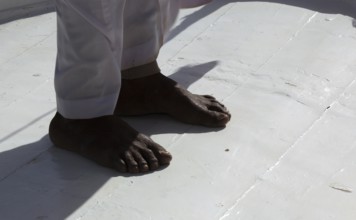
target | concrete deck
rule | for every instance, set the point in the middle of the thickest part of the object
(287, 72)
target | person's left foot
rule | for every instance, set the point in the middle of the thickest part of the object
(159, 94)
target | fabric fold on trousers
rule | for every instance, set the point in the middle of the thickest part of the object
(97, 39)
(146, 24)
(88, 60)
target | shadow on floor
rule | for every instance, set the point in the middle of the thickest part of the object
(54, 183)
(344, 7)
(190, 74)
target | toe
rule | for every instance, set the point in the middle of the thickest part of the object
(142, 163)
(150, 158)
(120, 165)
(215, 106)
(215, 101)
(163, 156)
(209, 97)
(131, 163)
(215, 119)
(217, 114)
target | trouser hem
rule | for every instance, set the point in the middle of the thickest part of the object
(87, 108)
(141, 71)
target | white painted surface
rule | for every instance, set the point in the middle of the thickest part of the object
(286, 73)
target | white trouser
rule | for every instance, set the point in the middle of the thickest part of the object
(99, 38)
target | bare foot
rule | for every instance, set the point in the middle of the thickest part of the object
(159, 94)
(110, 142)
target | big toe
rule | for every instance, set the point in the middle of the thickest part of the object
(218, 107)
(162, 155)
(214, 118)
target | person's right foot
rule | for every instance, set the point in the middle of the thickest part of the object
(110, 142)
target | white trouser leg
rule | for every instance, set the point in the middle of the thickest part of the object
(145, 25)
(92, 36)
(87, 79)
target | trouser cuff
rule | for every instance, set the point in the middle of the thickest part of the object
(87, 108)
(141, 71)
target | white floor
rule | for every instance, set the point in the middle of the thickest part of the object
(288, 75)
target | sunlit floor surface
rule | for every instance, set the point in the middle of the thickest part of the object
(286, 72)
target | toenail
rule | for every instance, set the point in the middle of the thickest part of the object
(223, 116)
(164, 153)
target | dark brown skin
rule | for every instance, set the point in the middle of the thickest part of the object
(112, 143)
(159, 94)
